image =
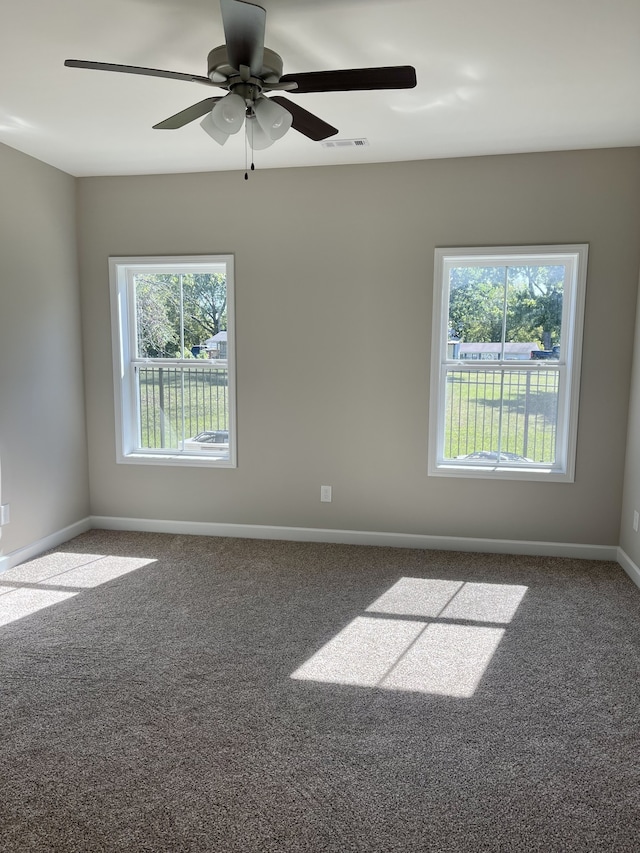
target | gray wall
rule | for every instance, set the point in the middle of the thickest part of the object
(43, 451)
(334, 271)
(630, 539)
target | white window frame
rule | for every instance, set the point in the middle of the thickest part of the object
(123, 330)
(575, 257)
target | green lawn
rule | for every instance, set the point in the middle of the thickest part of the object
(523, 423)
(165, 393)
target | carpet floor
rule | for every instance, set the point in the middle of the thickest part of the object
(174, 693)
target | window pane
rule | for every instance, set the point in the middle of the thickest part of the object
(205, 314)
(181, 316)
(472, 412)
(160, 402)
(476, 312)
(501, 416)
(184, 408)
(534, 310)
(530, 414)
(157, 313)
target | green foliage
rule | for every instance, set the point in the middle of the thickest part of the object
(535, 303)
(177, 312)
(476, 303)
(155, 332)
(205, 305)
(527, 300)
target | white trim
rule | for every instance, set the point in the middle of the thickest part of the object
(179, 460)
(629, 566)
(358, 537)
(8, 561)
(611, 553)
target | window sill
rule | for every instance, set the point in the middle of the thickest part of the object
(495, 472)
(191, 460)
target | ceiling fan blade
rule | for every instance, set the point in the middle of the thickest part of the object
(244, 25)
(305, 122)
(185, 116)
(354, 79)
(135, 69)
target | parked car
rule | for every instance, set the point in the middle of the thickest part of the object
(545, 353)
(211, 439)
(492, 456)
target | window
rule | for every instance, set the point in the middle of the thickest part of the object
(172, 323)
(507, 338)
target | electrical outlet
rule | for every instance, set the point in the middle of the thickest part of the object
(4, 515)
(636, 518)
(325, 494)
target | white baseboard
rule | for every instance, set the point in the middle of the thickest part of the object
(14, 558)
(629, 566)
(359, 537)
(313, 534)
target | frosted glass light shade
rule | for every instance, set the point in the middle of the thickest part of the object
(274, 120)
(214, 132)
(256, 136)
(228, 114)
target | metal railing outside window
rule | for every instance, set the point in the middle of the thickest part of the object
(502, 411)
(177, 402)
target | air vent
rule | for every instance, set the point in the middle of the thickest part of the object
(345, 143)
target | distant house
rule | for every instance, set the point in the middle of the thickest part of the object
(216, 346)
(491, 352)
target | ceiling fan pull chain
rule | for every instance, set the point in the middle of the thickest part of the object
(246, 158)
(248, 143)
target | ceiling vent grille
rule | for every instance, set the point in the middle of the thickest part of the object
(345, 143)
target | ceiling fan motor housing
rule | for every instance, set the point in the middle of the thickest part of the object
(219, 70)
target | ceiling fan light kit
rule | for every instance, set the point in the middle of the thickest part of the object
(228, 113)
(210, 127)
(257, 138)
(272, 118)
(248, 71)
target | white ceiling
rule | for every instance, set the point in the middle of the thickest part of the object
(494, 76)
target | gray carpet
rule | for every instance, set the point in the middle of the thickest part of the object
(483, 703)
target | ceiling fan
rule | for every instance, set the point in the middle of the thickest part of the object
(248, 71)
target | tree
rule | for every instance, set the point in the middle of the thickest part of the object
(533, 304)
(157, 334)
(476, 304)
(204, 305)
(173, 311)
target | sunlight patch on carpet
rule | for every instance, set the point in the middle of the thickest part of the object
(440, 639)
(478, 602)
(48, 580)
